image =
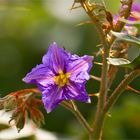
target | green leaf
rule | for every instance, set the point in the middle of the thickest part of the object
(125, 63)
(126, 37)
(119, 62)
(136, 62)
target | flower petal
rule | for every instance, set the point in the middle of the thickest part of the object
(76, 92)
(55, 58)
(136, 6)
(51, 97)
(40, 74)
(134, 16)
(76, 70)
(79, 68)
(116, 18)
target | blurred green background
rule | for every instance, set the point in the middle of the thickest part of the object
(27, 27)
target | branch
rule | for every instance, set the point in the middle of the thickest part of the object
(73, 108)
(120, 88)
(125, 13)
(100, 115)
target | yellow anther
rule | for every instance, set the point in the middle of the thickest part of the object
(67, 75)
(57, 79)
(62, 79)
(62, 76)
(61, 72)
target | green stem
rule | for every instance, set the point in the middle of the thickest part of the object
(105, 44)
(83, 121)
(111, 101)
(100, 115)
(99, 118)
(73, 108)
(118, 27)
(124, 13)
(25, 91)
(120, 88)
(95, 78)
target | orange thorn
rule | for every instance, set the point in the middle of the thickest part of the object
(132, 89)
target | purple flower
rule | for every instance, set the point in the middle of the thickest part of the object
(134, 15)
(61, 76)
(135, 12)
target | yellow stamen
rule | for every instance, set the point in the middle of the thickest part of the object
(62, 79)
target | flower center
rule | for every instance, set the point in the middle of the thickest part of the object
(62, 79)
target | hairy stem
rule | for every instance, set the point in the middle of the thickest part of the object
(99, 118)
(73, 108)
(120, 88)
(83, 121)
(124, 13)
(105, 44)
(95, 78)
(100, 115)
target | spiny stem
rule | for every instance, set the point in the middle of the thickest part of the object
(125, 13)
(95, 78)
(83, 121)
(74, 109)
(100, 115)
(99, 118)
(118, 27)
(120, 88)
(104, 41)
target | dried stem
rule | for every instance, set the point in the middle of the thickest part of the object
(25, 91)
